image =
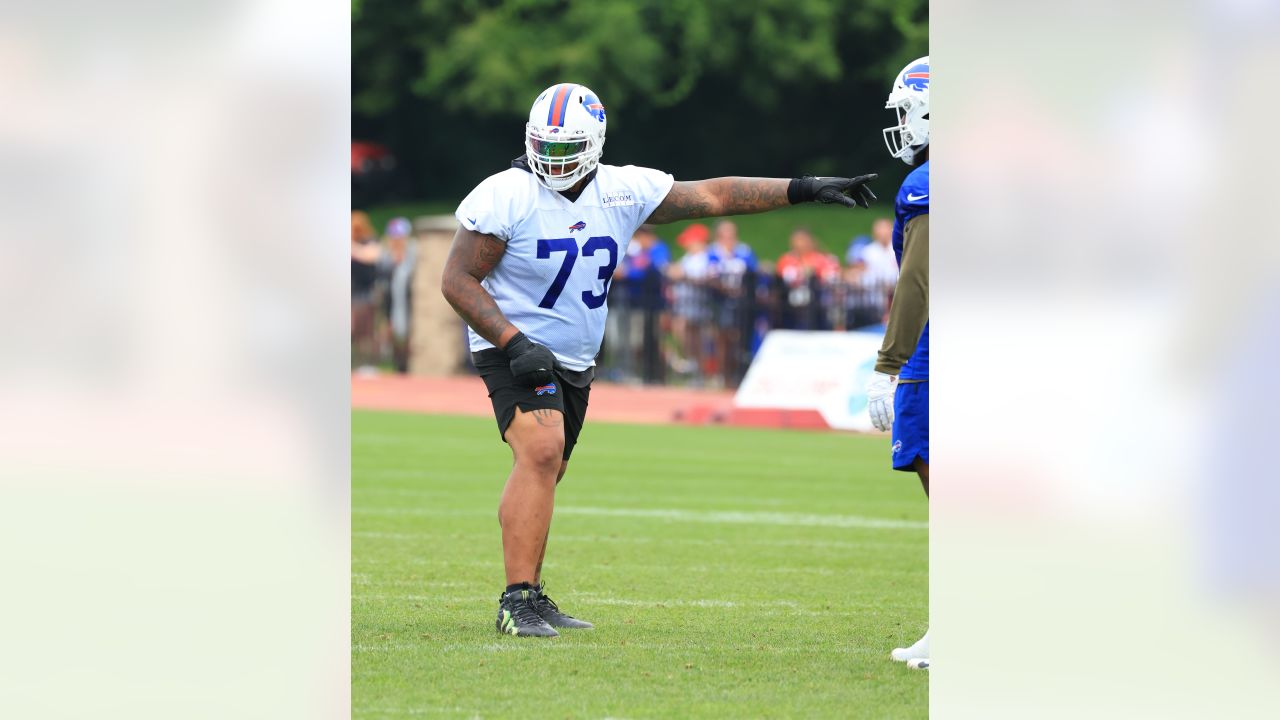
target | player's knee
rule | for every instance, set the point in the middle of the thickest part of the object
(545, 455)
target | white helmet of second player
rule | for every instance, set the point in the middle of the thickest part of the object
(564, 138)
(909, 99)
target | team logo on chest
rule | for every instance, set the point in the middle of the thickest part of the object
(580, 225)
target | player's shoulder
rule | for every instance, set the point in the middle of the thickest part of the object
(511, 192)
(500, 203)
(631, 184)
(510, 180)
(628, 174)
(913, 196)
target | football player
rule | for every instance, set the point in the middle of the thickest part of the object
(898, 394)
(529, 272)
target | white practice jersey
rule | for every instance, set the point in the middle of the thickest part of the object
(561, 255)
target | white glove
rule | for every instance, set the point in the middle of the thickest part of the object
(880, 400)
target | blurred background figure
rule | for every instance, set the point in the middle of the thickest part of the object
(689, 302)
(808, 274)
(637, 309)
(733, 267)
(395, 275)
(872, 275)
(365, 253)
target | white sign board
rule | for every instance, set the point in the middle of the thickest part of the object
(813, 370)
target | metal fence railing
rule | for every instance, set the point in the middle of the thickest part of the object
(662, 330)
(705, 332)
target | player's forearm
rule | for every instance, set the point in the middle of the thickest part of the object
(721, 196)
(477, 308)
(910, 310)
(744, 195)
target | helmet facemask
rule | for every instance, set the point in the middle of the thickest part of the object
(911, 134)
(560, 157)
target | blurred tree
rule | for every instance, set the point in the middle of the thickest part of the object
(693, 78)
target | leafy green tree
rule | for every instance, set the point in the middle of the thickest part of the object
(736, 66)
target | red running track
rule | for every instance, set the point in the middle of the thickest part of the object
(466, 395)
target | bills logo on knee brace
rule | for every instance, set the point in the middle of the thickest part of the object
(548, 389)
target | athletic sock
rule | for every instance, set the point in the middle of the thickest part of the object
(519, 586)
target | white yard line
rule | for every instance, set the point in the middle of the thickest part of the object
(734, 517)
(578, 643)
(642, 540)
(749, 518)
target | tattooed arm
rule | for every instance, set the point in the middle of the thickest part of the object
(473, 256)
(743, 195)
(721, 196)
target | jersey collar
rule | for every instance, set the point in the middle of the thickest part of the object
(522, 163)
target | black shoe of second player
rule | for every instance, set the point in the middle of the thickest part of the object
(550, 612)
(518, 616)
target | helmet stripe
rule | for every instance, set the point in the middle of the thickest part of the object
(555, 102)
(559, 104)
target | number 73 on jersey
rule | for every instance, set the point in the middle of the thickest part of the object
(569, 247)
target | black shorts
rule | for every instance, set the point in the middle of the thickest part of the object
(569, 394)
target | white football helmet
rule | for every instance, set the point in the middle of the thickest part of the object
(909, 99)
(564, 138)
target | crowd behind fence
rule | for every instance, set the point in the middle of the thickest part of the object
(704, 333)
(697, 320)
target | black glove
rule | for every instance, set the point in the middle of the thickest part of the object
(531, 363)
(846, 191)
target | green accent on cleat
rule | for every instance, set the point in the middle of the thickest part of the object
(517, 616)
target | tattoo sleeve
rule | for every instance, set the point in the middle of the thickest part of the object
(471, 258)
(721, 196)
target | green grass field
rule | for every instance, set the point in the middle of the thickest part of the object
(766, 233)
(730, 573)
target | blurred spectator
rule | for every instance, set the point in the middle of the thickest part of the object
(805, 260)
(808, 274)
(395, 272)
(872, 276)
(690, 308)
(879, 265)
(365, 251)
(731, 260)
(730, 256)
(636, 311)
(646, 253)
(854, 251)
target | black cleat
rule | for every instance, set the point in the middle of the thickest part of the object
(517, 616)
(547, 608)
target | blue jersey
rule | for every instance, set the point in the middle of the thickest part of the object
(742, 259)
(912, 201)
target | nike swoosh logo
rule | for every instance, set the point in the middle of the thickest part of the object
(910, 198)
(471, 220)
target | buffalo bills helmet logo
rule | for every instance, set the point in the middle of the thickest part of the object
(593, 106)
(580, 225)
(548, 389)
(916, 77)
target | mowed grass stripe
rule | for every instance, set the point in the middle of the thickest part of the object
(702, 555)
